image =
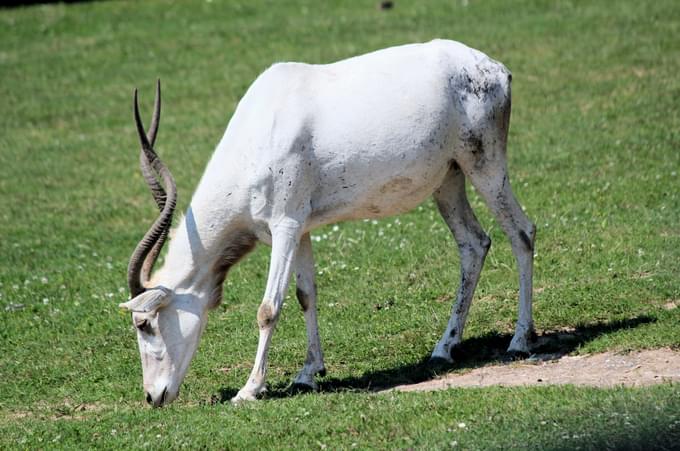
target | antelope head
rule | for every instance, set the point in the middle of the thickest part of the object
(168, 321)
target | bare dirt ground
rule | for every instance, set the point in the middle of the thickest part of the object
(608, 369)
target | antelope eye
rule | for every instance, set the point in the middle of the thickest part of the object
(144, 326)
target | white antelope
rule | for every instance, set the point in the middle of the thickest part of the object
(309, 145)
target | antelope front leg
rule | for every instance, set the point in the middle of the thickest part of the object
(306, 294)
(285, 238)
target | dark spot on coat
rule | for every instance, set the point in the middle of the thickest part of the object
(475, 142)
(485, 241)
(526, 240)
(303, 299)
(265, 315)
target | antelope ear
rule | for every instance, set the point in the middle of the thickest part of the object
(149, 301)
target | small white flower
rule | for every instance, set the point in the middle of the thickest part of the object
(336, 228)
(43, 279)
(461, 425)
(46, 301)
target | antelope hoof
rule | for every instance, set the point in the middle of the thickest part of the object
(514, 355)
(244, 396)
(302, 387)
(439, 362)
(442, 355)
(304, 382)
(520, 343)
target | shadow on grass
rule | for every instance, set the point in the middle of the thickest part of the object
(473, 353)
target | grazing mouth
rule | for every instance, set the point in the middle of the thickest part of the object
(163, 396)
(160, 401)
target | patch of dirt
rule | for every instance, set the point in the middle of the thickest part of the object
(65, 411)
(608, 369)
(671, 304)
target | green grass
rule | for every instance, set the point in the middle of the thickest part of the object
(594, 159)
(469, 419)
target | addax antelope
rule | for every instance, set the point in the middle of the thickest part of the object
(309, 145)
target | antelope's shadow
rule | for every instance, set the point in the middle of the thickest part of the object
(472, 353)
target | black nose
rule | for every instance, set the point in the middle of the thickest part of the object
(158, 402)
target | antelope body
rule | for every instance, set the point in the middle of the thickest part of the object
(308, 145)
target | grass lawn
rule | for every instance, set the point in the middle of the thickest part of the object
(594, 159)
